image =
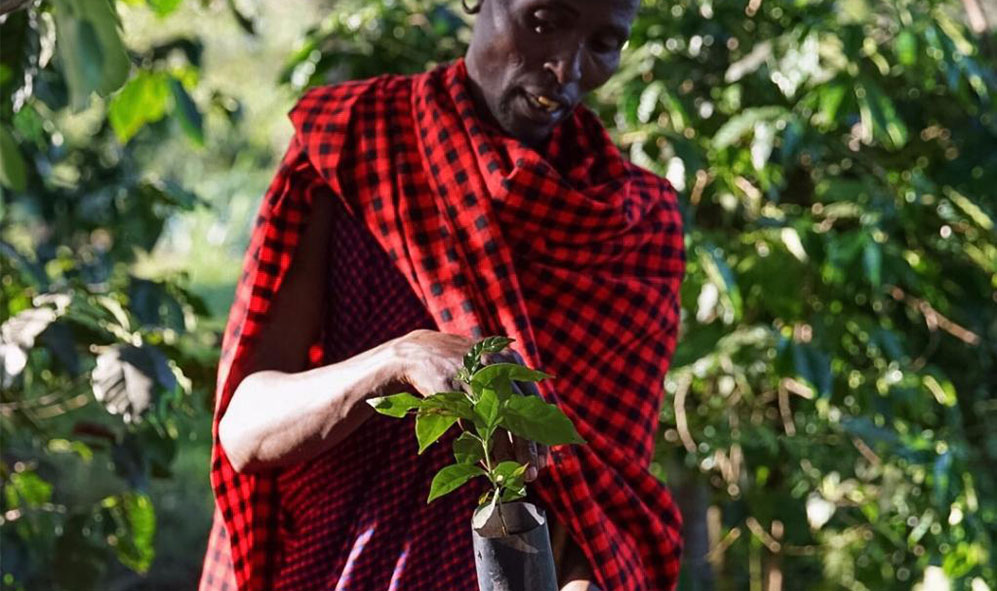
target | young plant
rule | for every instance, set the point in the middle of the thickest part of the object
(492, 401)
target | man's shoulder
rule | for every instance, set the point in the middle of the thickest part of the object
(332, 104)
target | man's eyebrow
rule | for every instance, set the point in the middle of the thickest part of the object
(572, 11)
(620, 31)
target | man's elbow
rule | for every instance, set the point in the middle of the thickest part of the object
(234, 433)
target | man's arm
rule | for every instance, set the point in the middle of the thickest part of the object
(280, 415)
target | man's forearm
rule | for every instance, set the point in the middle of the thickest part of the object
(276, 418)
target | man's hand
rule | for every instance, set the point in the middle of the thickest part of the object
(509, 446)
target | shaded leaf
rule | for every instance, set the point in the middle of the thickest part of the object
(186, 113)
(455, 403)
(13, 173)
(430, 427)
(468, 449)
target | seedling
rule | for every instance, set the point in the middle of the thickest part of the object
(491, 402)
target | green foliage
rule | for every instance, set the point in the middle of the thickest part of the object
(833, 386)
(101, 367)
(490, 402)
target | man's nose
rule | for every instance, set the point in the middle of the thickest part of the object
(566, 66)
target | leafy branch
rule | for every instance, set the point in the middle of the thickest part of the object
(491, 401)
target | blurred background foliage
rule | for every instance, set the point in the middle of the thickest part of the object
(828, 423)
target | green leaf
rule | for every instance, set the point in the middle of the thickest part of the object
(906, 48)
(872, 262)
(509, 475)
(495, 344)
(451, 478)
(187, 113)
(513, 494)
(814, 366)
(455, 403)
(142, 100)
(396, 405)
(531, 418)
(12, 167)
(163, 7)
(509, 471)
(831, 97)
(135, 528)
(487, 407)
(430, 427)
(26, 489)
(467, 449)
(880, 116)
(91, 53)
(506, 372)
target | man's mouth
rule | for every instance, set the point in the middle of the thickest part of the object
(546, 103)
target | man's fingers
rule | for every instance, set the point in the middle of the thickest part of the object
(502, 446)
(526, 453)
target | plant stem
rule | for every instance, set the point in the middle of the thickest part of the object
(498, 488)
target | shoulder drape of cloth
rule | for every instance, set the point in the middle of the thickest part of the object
(572, 251)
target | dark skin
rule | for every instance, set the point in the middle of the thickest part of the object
(532, 61)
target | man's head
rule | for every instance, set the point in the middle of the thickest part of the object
(530, 61)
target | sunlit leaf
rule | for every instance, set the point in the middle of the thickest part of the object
(450, 478)
(142, 100)
(396, 405)
(531, 418)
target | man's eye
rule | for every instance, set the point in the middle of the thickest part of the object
(606, 44)
(542, 22)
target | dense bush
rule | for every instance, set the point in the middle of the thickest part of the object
(827, 409)
(99, 365)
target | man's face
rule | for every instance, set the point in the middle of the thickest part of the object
(531, 61)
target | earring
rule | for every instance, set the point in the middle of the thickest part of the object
(471, 9)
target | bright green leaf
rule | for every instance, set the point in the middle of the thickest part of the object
(531, 418)
(487, 407)
(26, 489)
(163, 7)
(142, 100)
(135, 521)
(430, 427)
(450, 478)
(396, 405)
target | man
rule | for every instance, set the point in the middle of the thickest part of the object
(410, 217)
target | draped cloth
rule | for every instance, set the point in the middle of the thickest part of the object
(567, 248)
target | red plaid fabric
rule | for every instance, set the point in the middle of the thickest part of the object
(569, 249)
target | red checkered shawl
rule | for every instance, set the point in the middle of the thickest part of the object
(571, 250)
